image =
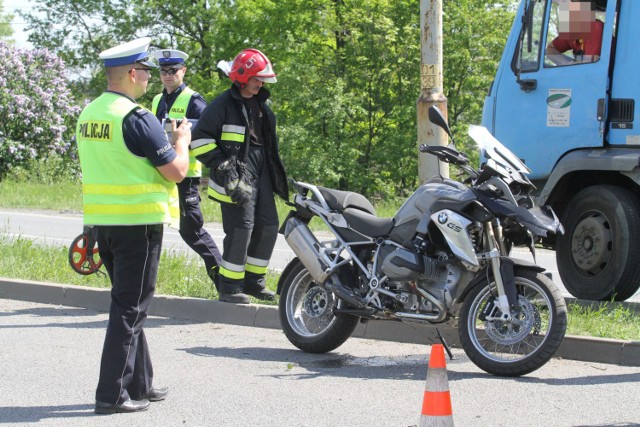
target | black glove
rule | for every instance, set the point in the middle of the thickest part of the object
(235, 178)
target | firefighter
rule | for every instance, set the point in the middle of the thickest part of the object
(176, 102)
(129, 171)
(236, 139)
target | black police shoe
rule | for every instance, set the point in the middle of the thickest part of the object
(156, 394)
(235, 297)
(128, 405)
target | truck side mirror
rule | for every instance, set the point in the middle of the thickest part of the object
(527, 85)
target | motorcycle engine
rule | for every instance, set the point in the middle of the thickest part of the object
(403, 265)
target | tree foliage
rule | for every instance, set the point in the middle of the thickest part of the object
(37, 110)
(474, 38)
(5, 24)
(348, 70)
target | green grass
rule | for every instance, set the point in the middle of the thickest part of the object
(58, 196)
(185, 276)
(178, 275)
(605, 320)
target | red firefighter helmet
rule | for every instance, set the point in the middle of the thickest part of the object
(251, 63)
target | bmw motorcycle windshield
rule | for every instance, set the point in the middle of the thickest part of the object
(493, 149)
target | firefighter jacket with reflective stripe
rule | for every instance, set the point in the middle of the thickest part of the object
(118, 187)
(179, 111)
(223, 131)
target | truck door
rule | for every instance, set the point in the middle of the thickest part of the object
(550, 106)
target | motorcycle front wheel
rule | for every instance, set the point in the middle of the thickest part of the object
(523, 344)
(307, 313)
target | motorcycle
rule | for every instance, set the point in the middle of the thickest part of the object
(443, 259)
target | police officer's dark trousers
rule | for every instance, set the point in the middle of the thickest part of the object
(131, 255)
(192, 222)
(250, 232)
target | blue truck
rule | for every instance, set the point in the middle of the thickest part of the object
(571, 119)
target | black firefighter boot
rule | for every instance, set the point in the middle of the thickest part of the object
(234, 296)
(255, 285)
(230, 292)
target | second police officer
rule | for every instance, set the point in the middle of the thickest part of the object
(236, 139)
(177, 101)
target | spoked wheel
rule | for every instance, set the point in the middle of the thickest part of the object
(526, 342)
(83, 259)
(307, 313)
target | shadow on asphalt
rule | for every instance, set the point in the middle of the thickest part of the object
(34, 414)
(331, 364)
(405, 367)
(44, 312)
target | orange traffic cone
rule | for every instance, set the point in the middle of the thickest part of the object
(436, 405)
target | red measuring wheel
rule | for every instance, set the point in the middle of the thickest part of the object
(83, 254)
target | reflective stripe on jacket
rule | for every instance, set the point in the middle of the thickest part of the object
(223, 130)
(118, 187)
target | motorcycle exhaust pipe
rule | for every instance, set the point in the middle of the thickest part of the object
(307, 248)
(335, 285)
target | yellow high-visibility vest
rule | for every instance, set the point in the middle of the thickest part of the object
(118, 187)
(178, 111)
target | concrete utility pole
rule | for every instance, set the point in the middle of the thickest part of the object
(431, 88)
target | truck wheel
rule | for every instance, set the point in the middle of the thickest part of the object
(598, 254)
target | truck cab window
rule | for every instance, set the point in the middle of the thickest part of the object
(530, 42)
(574, 33)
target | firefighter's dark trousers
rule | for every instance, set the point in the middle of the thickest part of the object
(250, 232)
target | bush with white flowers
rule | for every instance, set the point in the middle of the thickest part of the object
(37, 110)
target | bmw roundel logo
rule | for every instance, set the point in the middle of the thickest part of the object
(442, 218)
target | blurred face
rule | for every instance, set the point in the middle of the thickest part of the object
(251, 88)
(172, 76)
(575, 19)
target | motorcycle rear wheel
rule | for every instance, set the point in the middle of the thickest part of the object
(307, 316)
(527, 342)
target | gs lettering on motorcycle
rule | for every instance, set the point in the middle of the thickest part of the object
(451, 225)
(442, 219)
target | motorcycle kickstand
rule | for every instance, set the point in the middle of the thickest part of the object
(444, 344)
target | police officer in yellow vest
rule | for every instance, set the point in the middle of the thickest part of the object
(129, 171)
(175, 102)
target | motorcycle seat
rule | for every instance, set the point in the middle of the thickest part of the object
(340, 200)
(367, 224)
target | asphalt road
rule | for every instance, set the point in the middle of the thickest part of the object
(56, 228)
(228, 375)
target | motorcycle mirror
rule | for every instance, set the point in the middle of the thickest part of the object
(437, 118)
